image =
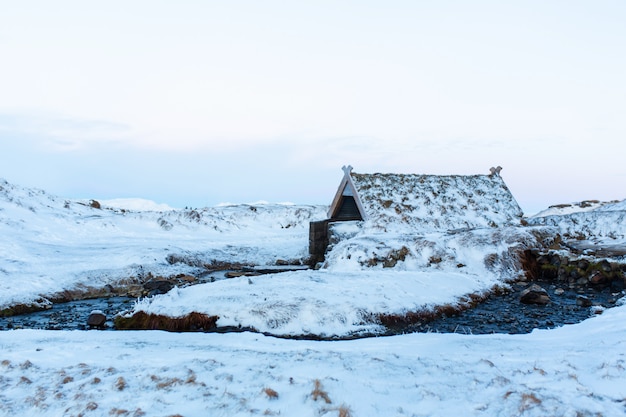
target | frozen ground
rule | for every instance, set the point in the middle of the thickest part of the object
(49, 244)
(576, 370)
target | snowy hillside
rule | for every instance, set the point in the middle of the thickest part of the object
(603, 223)
(578, 207)
(50, 244)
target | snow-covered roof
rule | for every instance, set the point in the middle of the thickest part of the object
(428, 202)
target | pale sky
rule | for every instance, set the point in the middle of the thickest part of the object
(194, 103)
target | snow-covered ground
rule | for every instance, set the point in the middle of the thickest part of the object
(576, 370)
(50, 244)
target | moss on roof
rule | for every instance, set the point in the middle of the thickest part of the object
(436, 202)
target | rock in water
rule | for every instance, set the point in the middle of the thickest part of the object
(534, 295)
(598, 278)
(96, 319)
(583, 301)
(158, 286)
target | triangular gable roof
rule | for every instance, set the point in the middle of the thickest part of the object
(428, 202)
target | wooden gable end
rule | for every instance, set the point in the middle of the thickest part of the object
(346, 205)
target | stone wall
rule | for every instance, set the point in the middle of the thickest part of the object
(574, 270)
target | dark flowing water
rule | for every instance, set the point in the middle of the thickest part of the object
(68, 316)
(506, 314)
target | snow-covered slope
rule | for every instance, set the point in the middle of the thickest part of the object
(576, 370)
(50, 244)
(134, 204)
(578, 207)
(603, 223)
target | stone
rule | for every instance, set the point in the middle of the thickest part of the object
(583, 301)
(534, 295)
(187, 278)
(559, 291)
(96, 319)
(234, 274)
(158, 286)
(598, 278)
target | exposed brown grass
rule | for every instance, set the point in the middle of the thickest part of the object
(318, 392)
(529, 264)
(271, 394)
(528, 401)
(344, 411)
(400, 321)
(144, 321)
(120, 384)
(167, 383)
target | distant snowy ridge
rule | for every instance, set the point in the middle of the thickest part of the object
(586, 225)
(594, 220)
(578, 207)
(135, 204)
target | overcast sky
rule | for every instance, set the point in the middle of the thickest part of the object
(194, 103)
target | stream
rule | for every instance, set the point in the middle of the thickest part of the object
(497, 314)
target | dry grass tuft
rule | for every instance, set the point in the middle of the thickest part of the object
(318, 392)
(344, 411)
(166, 383)
(271, 394)
(528, 401)
(143, 321)
(120, 384)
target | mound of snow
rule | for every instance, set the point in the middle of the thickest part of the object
(321, 303)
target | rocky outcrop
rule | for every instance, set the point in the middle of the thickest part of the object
(574, 270)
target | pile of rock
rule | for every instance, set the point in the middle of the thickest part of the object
(575, 271)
